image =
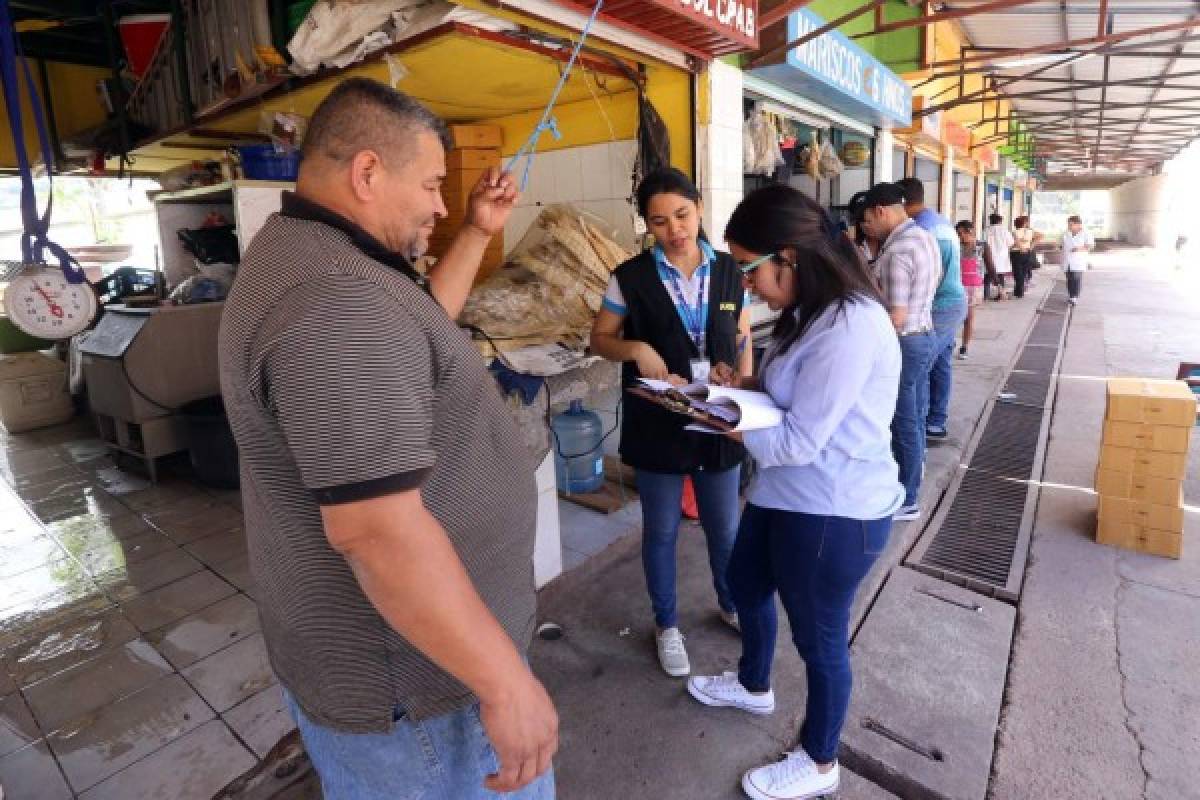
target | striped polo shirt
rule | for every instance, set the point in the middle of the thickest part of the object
(344, 380)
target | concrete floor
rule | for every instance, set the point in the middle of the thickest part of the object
(132, 667)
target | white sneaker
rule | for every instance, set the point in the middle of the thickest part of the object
(796, 777)
(672, 655)
(726, 691)
(1073, 301)
(730, 618)
(907, 513)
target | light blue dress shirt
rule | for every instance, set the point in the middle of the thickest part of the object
(837, 384)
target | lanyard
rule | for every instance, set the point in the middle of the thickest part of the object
(693, 318)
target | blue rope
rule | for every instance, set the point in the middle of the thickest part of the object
(548, 123)
(35, 239)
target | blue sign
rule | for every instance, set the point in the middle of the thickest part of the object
(835, 71)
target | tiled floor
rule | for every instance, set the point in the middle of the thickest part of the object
(131, 664)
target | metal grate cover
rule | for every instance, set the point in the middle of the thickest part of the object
(979, 537)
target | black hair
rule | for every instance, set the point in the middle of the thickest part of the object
(914, 190)
(995, 219)
(1074, 218)
(1020, 222)
(362, 114)
(964, 225)
(665, 181)
(829, 269)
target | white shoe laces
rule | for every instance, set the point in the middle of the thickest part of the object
(795, 766)
(671, 642)
(726, 683)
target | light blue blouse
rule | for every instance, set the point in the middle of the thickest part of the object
(837, 384)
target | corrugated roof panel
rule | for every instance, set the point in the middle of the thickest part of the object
(1126, 108)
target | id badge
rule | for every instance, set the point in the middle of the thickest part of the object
(700, 368)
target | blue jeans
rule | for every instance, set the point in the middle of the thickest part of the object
(444, 758)
(662, 497)
(941, 376)
(815, 563)
(912, 407)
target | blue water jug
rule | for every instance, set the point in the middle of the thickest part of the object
(578, 462)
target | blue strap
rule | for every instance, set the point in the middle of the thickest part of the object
(35, 236)
(548, 122)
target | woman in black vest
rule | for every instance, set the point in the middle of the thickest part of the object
(669, 314)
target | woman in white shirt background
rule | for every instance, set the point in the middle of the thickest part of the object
(819, 511)
(999, 241)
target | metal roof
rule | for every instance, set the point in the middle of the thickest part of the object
(1106, 88)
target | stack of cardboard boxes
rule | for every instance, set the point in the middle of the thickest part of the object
(476, 148)
(1143, 460)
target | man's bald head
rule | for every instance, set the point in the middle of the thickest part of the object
(362, 114)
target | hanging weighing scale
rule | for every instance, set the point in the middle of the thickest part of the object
(43, 301)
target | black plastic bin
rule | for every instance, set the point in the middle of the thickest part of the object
(210, 443)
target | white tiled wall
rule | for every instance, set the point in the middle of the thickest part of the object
(719, 149)
(595, 178)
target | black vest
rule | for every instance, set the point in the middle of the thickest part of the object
(653, 438)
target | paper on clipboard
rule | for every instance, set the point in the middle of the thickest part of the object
(741, 409)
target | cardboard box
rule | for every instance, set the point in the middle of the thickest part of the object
(471, 158)
(1123, 511)
(1139, 539)
(1151, 401)
(1160, 438)
(459, 183)
(1147, 488)
(1143, 462)
(477, 136)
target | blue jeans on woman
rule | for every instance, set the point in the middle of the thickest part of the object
(444, 758)
(662, 510)
(815, 563)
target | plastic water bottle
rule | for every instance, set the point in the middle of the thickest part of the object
(578, 461)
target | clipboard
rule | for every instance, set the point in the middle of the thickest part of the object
(712, 409)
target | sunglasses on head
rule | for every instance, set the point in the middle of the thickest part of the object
(749, 267)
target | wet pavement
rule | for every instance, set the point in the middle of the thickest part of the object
(131, 664)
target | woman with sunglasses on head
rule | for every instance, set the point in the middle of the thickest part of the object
(819, 511)
(669, 314)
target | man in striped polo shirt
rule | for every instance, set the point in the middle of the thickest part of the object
(909, 268)
(390, 503)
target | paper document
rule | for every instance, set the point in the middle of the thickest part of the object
(715, 409)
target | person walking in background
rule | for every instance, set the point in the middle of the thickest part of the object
(972, 278)
(1021, 256)
(999, 242)
(669, 314)
(909, 269)
(949, 304)
(1076, 245)
(818, 512)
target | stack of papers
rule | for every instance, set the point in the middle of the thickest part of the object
(713, 409)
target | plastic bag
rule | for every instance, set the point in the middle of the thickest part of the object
(828, 164)
(339, 33)
(765, 143)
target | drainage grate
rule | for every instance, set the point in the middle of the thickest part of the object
(979, 537)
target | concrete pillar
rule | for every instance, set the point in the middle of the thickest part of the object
(981, 213)
(947, 186)
(719, 146)
(885, 144)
